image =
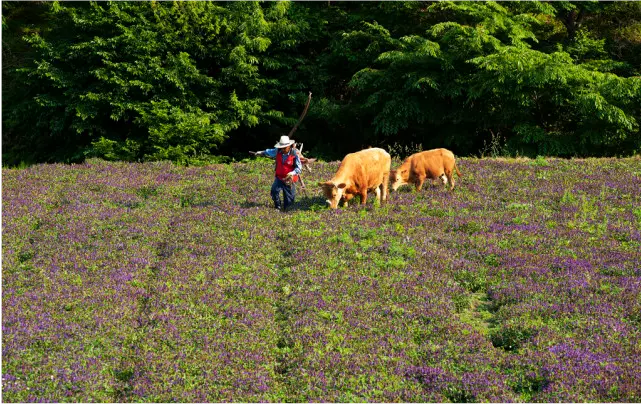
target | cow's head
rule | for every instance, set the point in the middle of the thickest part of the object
(332, 192)
(398, 177)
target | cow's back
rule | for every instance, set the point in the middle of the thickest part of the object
(377, 163)
(432, 162)
(376, 160)
(365, 168)
(360, 162)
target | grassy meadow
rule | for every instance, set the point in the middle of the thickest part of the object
(155, 282)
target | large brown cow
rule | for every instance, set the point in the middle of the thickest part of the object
(430, 164)
(359, 173)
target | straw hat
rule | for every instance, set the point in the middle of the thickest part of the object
(284, 142)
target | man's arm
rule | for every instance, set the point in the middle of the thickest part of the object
(268, 153)
(298, 166)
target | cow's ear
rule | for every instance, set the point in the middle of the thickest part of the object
(321, 184)
(341, 185)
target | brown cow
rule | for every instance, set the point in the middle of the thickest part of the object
(430, 164)
(359, 173)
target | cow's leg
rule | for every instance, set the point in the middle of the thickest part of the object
(450, 177)
(346, 199)
(377, 190)
(419, 182)
(363, 197)
(385, 186)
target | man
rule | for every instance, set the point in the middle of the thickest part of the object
(288, 168)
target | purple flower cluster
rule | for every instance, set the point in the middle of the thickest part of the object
(154, 282)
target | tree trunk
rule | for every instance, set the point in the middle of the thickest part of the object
(573, 22)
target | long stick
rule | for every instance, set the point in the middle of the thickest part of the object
(309, 100)
(302, 185)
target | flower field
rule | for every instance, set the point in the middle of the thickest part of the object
(154, 282)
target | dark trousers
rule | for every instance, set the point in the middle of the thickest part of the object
(289, 193)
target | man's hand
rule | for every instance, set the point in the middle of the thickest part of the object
(289, 178)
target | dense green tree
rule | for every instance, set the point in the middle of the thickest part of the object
(145, 80)
(19, 19)
(187, 80)
(474, 72)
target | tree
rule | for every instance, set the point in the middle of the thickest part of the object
(474, 72)
(144, 80)
(18, 19)
(187, 80)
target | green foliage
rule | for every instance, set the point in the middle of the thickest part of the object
(544, 103)
(510, 337)
(186, 80)
(151, 80)
(562, 108)
(473, 280)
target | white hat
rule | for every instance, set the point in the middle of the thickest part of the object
(284, 142)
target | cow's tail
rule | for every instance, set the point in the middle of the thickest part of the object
(456, 168)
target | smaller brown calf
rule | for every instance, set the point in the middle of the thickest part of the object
(430, 164)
